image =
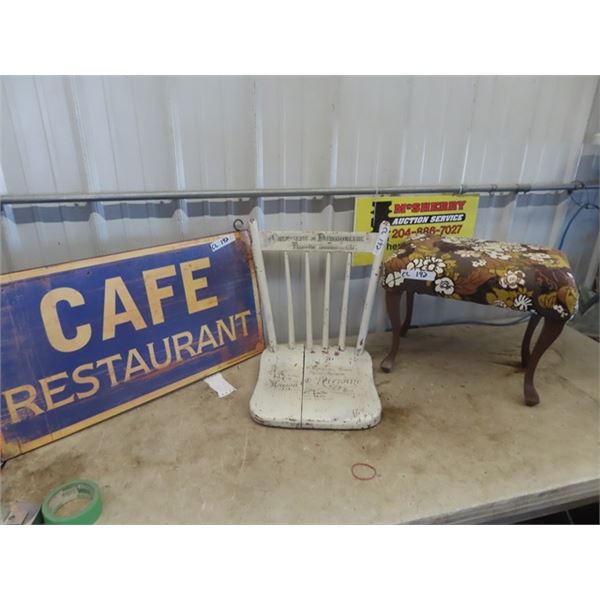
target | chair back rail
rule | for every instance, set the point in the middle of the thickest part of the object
(318, 241)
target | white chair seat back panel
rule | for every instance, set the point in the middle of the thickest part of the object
(277, 397)
(315, 390)
(302, 385)
(339, 391)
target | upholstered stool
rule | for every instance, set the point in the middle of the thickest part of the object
(508, 275)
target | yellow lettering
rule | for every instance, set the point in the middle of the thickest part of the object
(54, 330)
(90, 379)
(113, 287)
(108, 361)
(48, 393)
(28, 403)
(204, 330)
(191, 285)
(157, 294)
(153, 361)
(243, 316)
(186, 346)
(231, 333)
(141, 366)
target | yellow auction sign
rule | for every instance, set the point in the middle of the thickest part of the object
(407, 215)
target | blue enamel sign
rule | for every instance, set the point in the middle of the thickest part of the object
(86, 340)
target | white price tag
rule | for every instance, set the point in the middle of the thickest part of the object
(418, 274)
(224, 241)
(218, 383)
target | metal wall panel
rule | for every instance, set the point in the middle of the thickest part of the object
(104, 134)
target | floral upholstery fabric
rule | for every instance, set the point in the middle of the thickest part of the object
(504, 274)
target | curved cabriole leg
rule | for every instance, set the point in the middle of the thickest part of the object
(409, 309)
(392, 303)
(533, 322)
(550, 331)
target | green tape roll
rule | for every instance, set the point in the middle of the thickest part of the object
(68, 492)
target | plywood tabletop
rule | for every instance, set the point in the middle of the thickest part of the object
(456, 444)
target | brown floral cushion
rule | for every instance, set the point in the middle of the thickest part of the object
(505, 274)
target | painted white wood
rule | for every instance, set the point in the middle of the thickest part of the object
(326, 297)
(345, 295)
(309, 332)
(262, 285)
(339, 391)
(326, 241)
(277, 397)
(380, 245)
(300, 389)
(299, 386)
(290, 301)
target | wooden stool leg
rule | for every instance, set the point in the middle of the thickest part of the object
(409, 309)
(392, 303)
(550, 331)
(533, 322)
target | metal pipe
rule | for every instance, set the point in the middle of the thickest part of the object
(290, 193)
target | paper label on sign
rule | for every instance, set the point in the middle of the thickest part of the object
(218, 383)
(416, 274)
(221, 243)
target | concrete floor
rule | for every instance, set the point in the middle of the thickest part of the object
(456, 443)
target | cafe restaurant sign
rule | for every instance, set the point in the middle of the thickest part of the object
(87, 340)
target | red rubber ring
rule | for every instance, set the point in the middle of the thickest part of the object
(363, 465)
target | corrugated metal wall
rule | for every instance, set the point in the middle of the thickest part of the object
(95, 134)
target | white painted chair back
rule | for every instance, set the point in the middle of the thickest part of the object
(300, 385)
(317, 241)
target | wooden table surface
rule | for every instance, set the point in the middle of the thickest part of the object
(456, 444)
